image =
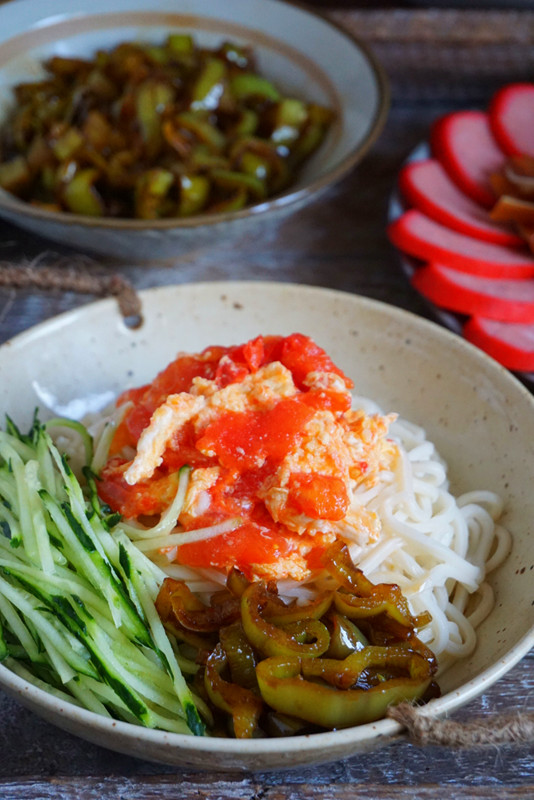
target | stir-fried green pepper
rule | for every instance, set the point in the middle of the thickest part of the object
(281, 668)
(290, 685)
(345, 637)
(242, 704)
(163, 129)
(240, 654)
(305, 637)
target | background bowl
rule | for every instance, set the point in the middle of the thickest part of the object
(304, 54)
(479, 416)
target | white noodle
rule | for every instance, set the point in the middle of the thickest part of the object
(436, 547)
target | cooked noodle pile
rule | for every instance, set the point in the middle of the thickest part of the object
(436, 547)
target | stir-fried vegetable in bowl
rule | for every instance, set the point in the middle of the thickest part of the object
(150, 131)
(144, 131)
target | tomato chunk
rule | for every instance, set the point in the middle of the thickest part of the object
(301, 355)
(318, 496)
(248, 545)
(142, 499)
(244, 440)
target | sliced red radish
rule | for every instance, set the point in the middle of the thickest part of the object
(422, 237)
(502, 299)
(509, 343)
(511, 115)
(426, 185)
(465, 146)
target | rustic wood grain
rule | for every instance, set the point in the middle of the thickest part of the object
(189, 787)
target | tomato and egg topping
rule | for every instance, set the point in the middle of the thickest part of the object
(272, 442)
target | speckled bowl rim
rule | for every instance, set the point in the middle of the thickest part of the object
(385, 730)
(286, 198)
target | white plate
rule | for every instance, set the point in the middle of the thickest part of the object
(302, 52)
(479, 416)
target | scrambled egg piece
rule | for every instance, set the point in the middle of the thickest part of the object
(352, 448)
(258, 390)
(197, 498)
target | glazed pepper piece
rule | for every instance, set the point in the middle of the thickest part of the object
(241, 657)
(290, 116)
(80, 195)
(242, 704)
(355, 607)
(67, 144)
(14, 174)
(345, 637)
(233, 202)
(151, 99)
(307, 638)
(284, 685)
(312, 133)
(252, 155)
(278, 613)
(194, 193)
(67, 66)
(199, 125)
(237, 582)
(362, 597)
(229, 179)
(209, 87)
(247, 123)
(177, 601)
(248, 85)
(180, 44)
(150, 191)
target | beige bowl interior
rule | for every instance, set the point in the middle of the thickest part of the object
(479, 416)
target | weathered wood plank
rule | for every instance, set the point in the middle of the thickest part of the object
(190, 788)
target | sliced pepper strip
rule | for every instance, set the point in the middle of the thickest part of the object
(240, 654)
(278, 613)
(345, 637)
(284, 686)
(365, 598)
(244, 706)
(307, 638)
(193, 615)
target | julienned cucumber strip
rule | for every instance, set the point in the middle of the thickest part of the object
(159, 635)
(129, 682)
(76, 597)
(81, 430)
(3, 644)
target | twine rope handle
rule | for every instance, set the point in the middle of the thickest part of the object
(500, 729)
(73, 280)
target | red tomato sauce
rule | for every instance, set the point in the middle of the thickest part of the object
(246, 447)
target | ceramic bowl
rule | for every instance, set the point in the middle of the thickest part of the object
(478, 415)
(307, 56)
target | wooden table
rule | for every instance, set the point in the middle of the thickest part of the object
(437, 61)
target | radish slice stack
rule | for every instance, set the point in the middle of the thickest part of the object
(468, 263)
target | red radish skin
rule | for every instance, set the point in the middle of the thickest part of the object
(511, 115)
(426, 185)
(501, 299)
(509, 343)
(464, 144)
(417, 235)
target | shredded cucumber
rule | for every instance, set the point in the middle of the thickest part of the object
(77, 612)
